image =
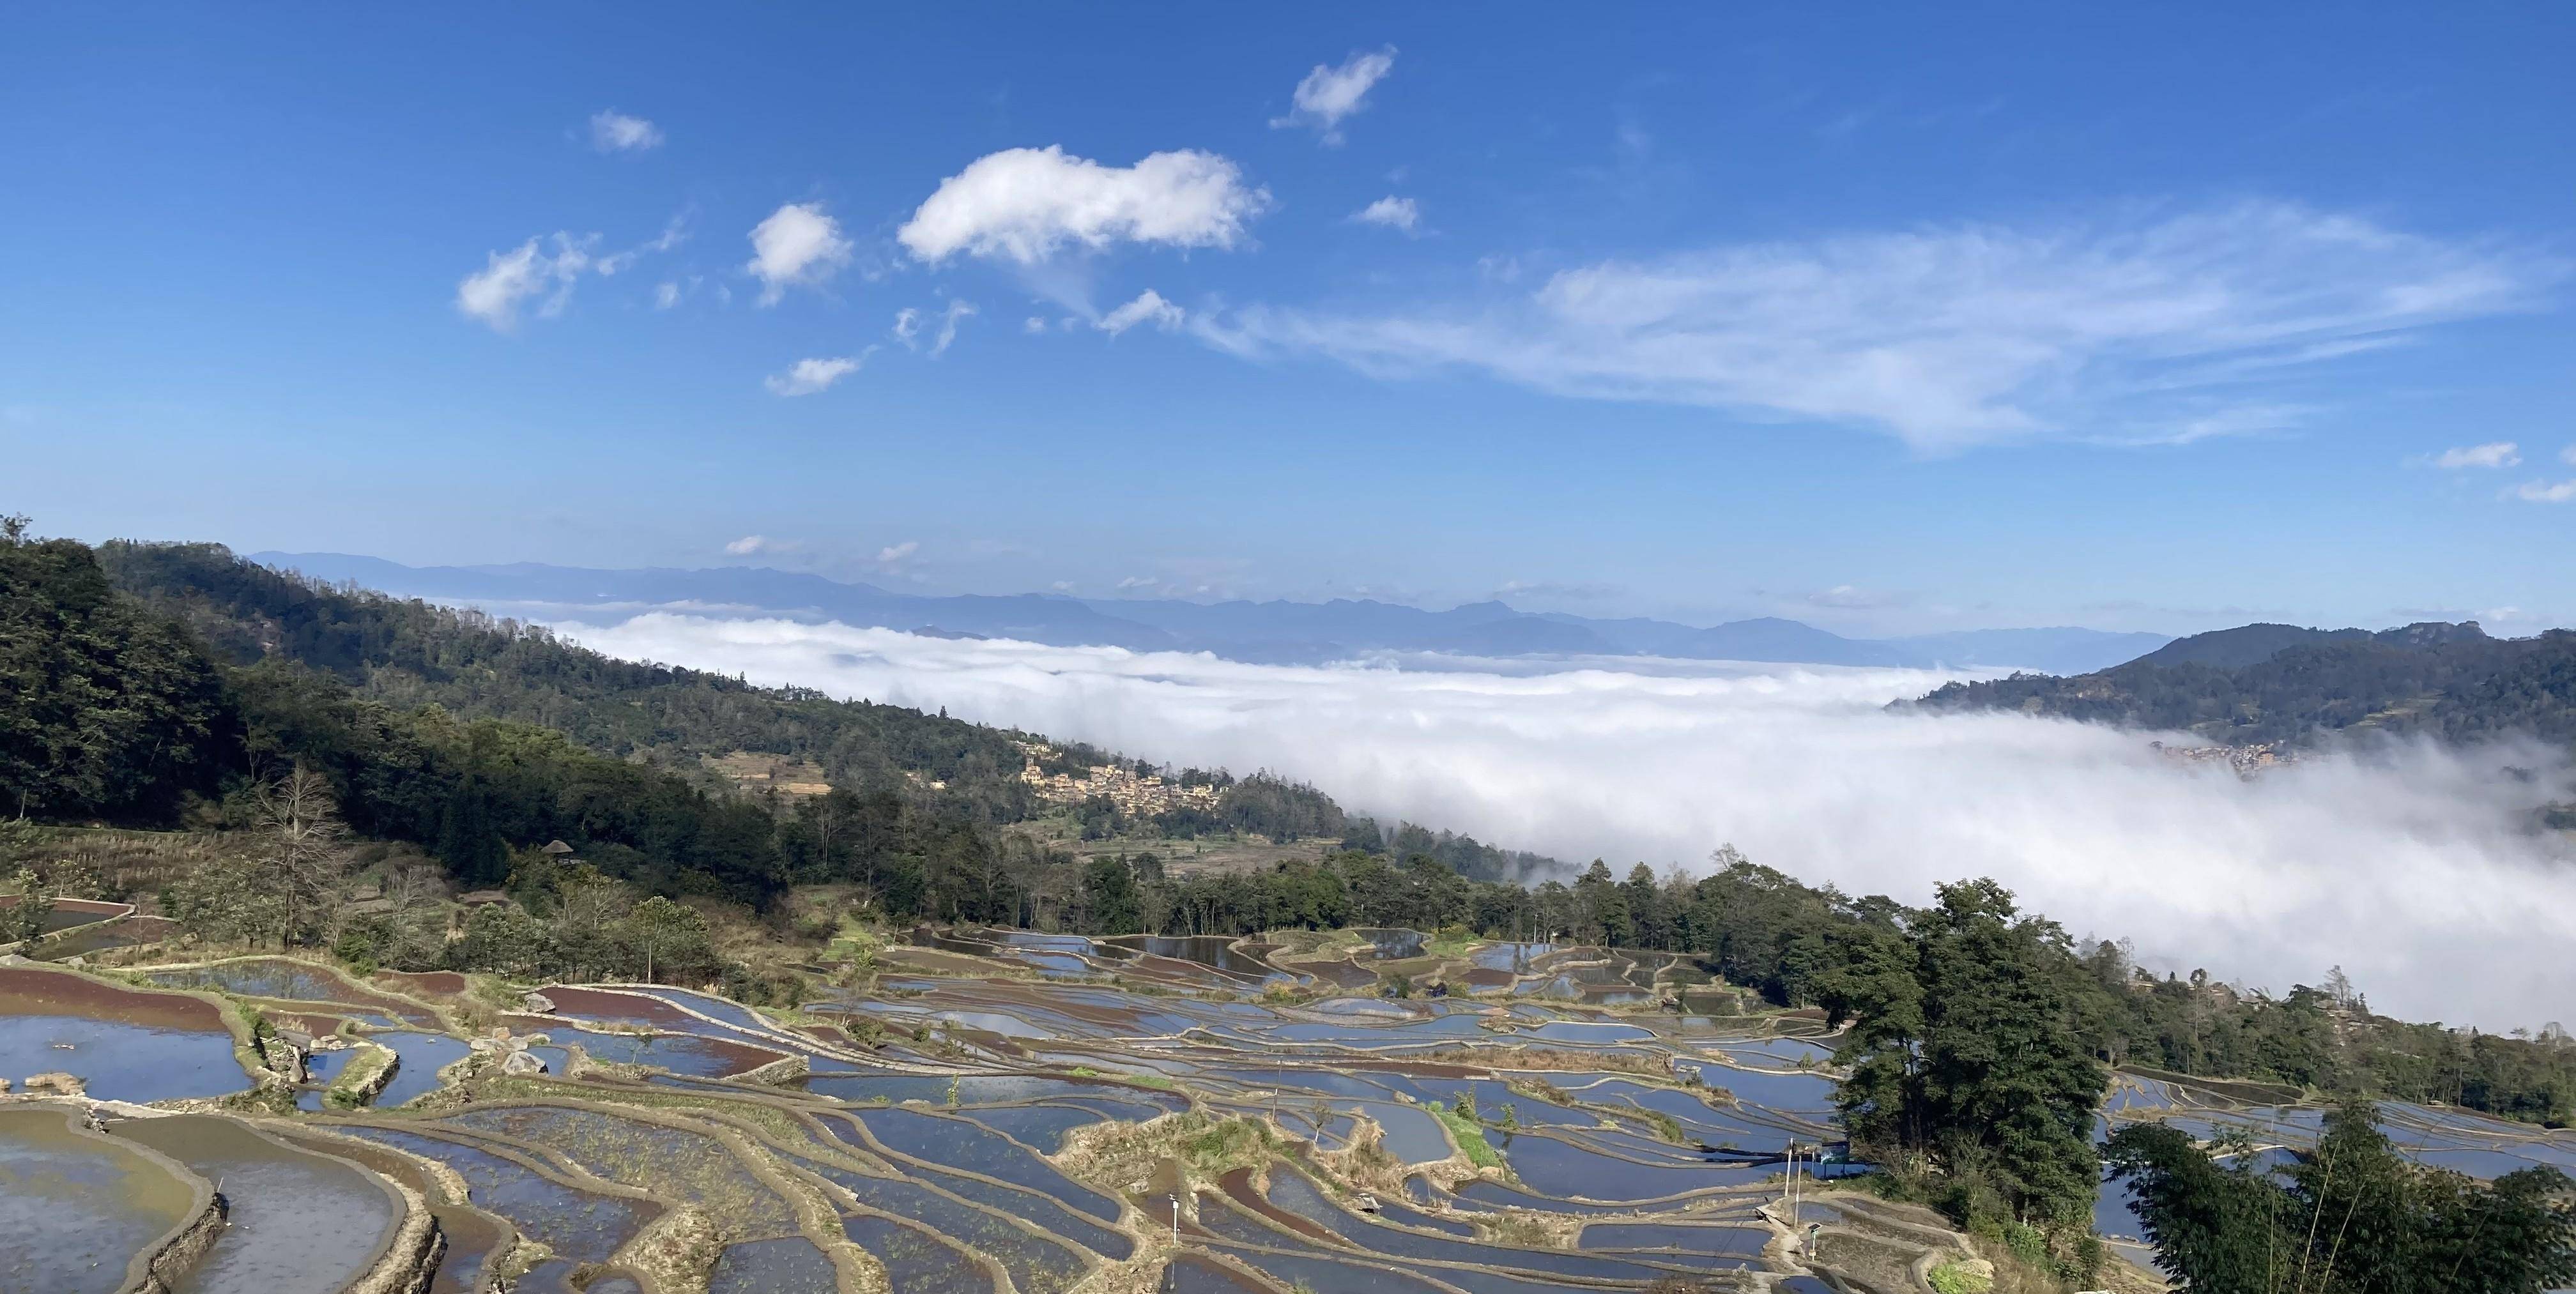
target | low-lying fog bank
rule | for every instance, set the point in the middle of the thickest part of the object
(2414, 868)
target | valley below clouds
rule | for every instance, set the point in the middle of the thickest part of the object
(2414, 867)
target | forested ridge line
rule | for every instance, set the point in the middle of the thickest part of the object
(166, 685)
(2264, 684)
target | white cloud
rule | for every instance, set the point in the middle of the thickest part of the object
(2568, 454)
(1148, 307)
(1390, 211)
(2134, 330)
(2270, 881)
(509, 280)
(495, 293)
(1025, 204)
(750, 545)
(1328, 94)
(2499, 453)
(798, 245)
(1033, 324)
(2545, 491)
(892, 558)
(612, 131)
(811, 375)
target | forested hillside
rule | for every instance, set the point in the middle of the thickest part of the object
(2276, 683)
(408, 653)
(153, 683)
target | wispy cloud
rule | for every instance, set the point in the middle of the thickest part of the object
(509, 280)
(1566, 590)
(2147, 328)
(797, 245)
(612, 131)
(673, 234)
(1391, 212)
(754, 545)
(2545, 491)
(543, 272)
(808, 376)
(1148, 307)
(911, 326)
(1330, 94)
(1024, 205)
(2495, 453)
(1846, 597)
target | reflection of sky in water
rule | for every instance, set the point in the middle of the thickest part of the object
(121, 1061)
(681, 1053)
(423, 1055)
(299, 1223)
(580, 1226)
(74, 1211)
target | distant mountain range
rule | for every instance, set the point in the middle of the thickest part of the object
(1262, 632)
(2266, 683)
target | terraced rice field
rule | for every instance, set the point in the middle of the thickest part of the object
(83, 1213)
(1051, 1114)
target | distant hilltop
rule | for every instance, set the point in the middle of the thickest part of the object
(2268, 687)
(1258, 632)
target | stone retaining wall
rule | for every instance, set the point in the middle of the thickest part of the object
(410, 1262)
(181, 1250)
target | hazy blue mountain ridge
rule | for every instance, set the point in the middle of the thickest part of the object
(1276, 631)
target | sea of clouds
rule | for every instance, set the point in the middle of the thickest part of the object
(2413, 867)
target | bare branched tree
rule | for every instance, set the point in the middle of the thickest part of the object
(306, 852)
(410, 883)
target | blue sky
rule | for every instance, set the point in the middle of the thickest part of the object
(1888, 321)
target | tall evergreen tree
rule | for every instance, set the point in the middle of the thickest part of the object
(1978, 1070)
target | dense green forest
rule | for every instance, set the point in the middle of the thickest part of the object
(2276, 683)
(166, 685)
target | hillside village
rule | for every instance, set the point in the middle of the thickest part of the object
(1140, 795)
(2244, 761)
